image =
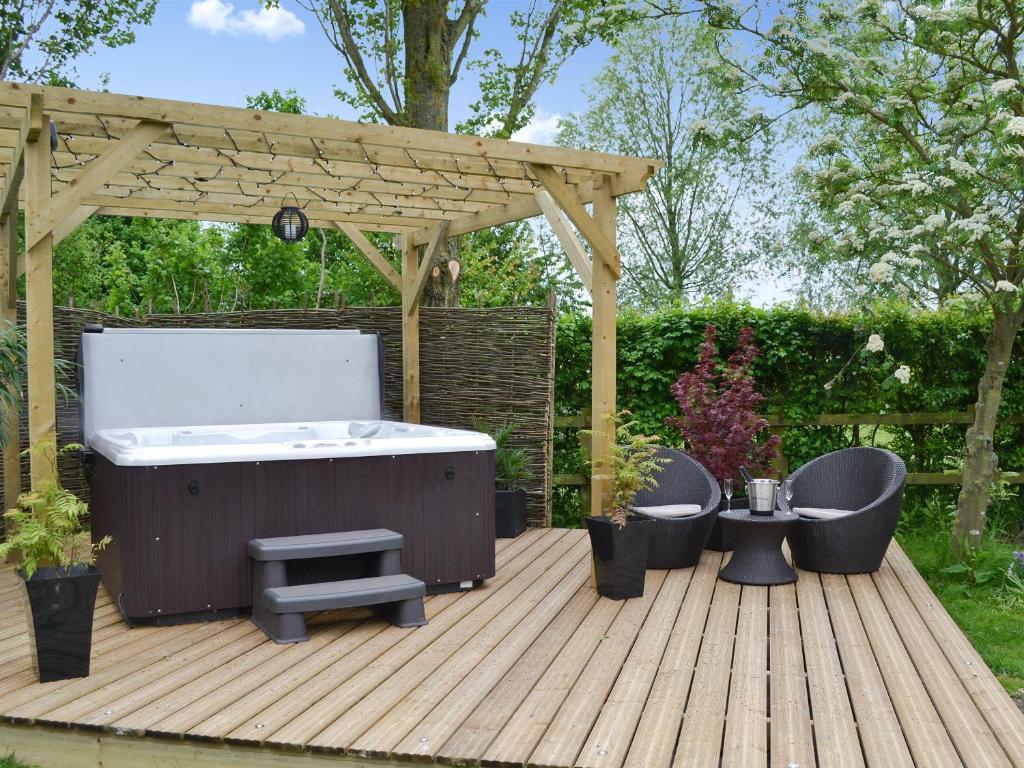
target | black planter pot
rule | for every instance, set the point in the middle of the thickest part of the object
(509, 513)
(61, 602)
(721, 540)
(620, 556)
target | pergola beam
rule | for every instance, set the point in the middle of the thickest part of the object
(410, 334)
(61, 231)
(234, 217)
(15, 118)
(423, 273)
(42, 399)
(603, 332)
(171, 187)
(151, 206)
(146, 198)
(9, 314)
(374, 256)
(12, 185)
(257, 151)
(96, 173)
(12, 261)
(71, 222)
(162, 110)
(570, 243)
(567, 200)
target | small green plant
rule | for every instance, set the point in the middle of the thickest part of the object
(1015, 579)
(634, 461)
(511, 465)
(46, 527)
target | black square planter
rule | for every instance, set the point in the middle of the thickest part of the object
(509, 513)
(620, 556)
(62, 602)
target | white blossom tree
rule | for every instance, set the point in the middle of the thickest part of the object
(930, 171)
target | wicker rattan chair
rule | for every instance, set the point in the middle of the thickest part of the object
(678, 542)
(866, 481)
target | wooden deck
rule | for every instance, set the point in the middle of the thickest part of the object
(533, 669)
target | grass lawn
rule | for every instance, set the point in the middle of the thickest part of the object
(988, 608)
(10, 761)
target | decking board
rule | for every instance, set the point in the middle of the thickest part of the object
(654, 741)
(792, 738)
(535, 669)
(881, 737)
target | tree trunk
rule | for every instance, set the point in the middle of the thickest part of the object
(428, 64)
(980, 460)
(323, 269)
(443, 286)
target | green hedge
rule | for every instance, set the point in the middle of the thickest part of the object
(802, 350)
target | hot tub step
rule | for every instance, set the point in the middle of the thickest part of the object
(350, 593)
(397, 598)
(324, 545)
(278, 608)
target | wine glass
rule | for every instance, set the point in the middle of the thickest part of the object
(787, 490)
(727, 487)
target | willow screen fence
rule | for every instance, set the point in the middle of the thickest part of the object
(478, 368)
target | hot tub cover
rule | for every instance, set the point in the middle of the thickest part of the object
(133, 378)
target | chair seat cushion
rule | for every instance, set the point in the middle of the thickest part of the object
(821, 514)
(669, 511)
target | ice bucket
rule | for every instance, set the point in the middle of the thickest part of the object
(762, 496)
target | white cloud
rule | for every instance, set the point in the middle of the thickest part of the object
(218, 16)
(540, 130)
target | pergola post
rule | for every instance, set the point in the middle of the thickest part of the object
(603, 350)
(9, 313)
(42, 401)
(410, 333)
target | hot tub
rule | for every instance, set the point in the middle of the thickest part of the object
(181, 496)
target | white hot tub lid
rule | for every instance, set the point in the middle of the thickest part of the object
(143, 377)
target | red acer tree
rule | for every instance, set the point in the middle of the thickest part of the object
(717, 407)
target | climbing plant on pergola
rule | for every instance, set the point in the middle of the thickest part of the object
(118, 155)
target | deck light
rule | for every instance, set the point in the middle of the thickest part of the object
(290, 223)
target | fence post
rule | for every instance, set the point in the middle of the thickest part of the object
(781, 463)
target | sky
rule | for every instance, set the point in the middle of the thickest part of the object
(219, 52)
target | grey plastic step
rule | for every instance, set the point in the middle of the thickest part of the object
(350, 593)
(324, 545)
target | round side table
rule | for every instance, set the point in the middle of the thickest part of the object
(757, 557)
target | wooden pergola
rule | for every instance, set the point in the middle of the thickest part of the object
(117, 155)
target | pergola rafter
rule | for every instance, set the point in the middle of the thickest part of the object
(131, 156)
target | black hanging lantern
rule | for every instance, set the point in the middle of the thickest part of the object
(290, 223)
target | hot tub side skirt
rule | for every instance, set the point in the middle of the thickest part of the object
(180, 531)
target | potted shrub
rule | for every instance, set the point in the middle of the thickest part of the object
(58, 568)
(618, 540)
(718, 420)
(511, 470)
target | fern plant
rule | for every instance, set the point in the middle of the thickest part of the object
(46, 527)
(634, 461)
